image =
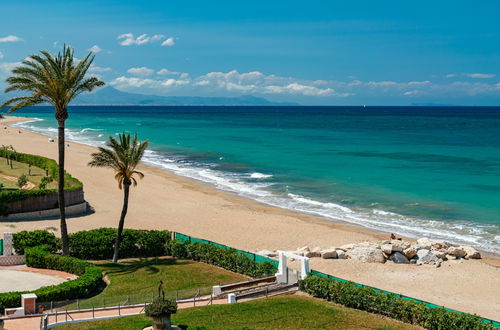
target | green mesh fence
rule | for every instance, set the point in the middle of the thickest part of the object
(259, 258)
(1, 247)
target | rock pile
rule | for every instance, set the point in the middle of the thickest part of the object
(423, 251)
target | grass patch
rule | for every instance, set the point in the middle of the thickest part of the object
(22, 168)
(285, 312)
(137, 280)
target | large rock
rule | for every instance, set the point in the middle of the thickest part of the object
(346, 247)
(386, 248)
(471, 253)
(440, 245)
(398, 258)
(329, 254)
(426, 257)
(441, 254)
(424, 243)
(312, 254)
(366, 254)
(341, 254)
(457, 251)
(410, 252)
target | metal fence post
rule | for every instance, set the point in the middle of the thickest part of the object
(51, 306)
(78, 304)
(119, 312)
(93, 311)
(66, 314)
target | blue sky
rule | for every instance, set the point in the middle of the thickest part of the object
(311, 52)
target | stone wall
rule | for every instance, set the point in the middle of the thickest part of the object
(46, 202)
(81, 208)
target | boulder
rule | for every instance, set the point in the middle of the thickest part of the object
(346, 247)
(456, 251)
(410, 252)
(369, 245)
(267, 253)
(471, 253)
(366, 254)
(386, 248)
(398, 258)
(440, 245)
(303, 249)
(311, 254)
(441, 254)
(424, 243)
(341, 254)
(426, 257)
(330, 254)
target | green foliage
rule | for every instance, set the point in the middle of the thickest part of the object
(26, 239)
(161, 307)
(22, 181)
(10, 196)
(97, 244)
(89, 279)
(44, 182)
(371, 300)
(228, 259)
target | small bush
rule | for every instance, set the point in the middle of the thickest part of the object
(228, 259)
(97, 244)
(161, 307)
(88, 282)
(371, 300)
(22, 181)
(26, 239)
(44, 182)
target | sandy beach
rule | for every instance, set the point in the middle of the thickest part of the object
(163, 200)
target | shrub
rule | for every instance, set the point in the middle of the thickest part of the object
(26, 239)
(161, 307)
(44, 182)
(371, 300)
(97, 244)
(22, 181)
(228, 259)
(88, 282)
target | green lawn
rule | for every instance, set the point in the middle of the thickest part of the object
(284, 312)
(136, 280)
(19, 169)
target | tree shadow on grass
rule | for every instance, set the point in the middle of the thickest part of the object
(150, 265)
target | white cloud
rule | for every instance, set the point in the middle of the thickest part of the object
(95, 49)
(94, 68)
(168, 42)
(472, 75)
(166, 71)
(480, 75)
(142, 71)
(10, 39)
(128, 39)
(425, 82)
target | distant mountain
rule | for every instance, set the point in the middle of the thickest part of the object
(111, 96)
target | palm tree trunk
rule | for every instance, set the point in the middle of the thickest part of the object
(126, 188)
(60, 190)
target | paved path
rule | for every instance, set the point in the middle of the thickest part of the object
(12, 279)
(33, 323)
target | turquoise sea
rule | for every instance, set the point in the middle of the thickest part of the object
(417, 171)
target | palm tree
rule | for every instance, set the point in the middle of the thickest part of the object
(56, 80)
(123, 156)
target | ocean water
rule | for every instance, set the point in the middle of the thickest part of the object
(416, 171)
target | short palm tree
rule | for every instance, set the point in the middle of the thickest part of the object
(56, 80)
(123, 156)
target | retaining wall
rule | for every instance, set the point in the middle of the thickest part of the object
(45, 202)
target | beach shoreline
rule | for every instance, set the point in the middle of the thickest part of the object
(164, 200)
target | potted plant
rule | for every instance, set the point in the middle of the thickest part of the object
(160, 311)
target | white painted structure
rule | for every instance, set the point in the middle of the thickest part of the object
(7, 244)
(231, 298)
(282, 274)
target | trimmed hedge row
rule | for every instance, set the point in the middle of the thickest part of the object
(228, 259)
(97, 244)
(10, 196)
(373, 301)
(88, 282)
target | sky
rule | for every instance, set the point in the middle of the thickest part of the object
(310, 52)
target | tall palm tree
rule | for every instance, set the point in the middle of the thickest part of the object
(56, 80)
(123, 156)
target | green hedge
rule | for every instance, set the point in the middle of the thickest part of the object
(371, 300)
(26, 239)
(9, 196)
(88, 282)
(97, 244)
(228, 259)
